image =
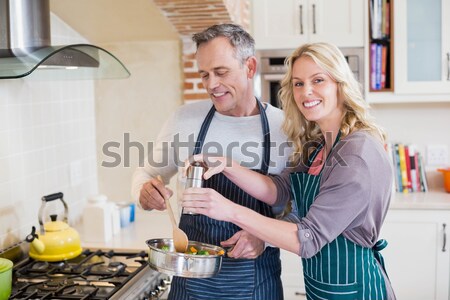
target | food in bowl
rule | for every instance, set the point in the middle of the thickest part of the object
(195, 251)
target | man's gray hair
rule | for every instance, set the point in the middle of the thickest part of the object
(241, 40)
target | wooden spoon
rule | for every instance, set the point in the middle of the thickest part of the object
(180, 239)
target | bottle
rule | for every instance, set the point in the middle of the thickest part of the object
(115, 216)
(97, 220)
(194, 177)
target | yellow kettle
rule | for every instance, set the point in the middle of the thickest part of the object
(56, 240)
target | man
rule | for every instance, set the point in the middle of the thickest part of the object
(235, 125)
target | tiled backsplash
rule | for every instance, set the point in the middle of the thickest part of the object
(45, 128)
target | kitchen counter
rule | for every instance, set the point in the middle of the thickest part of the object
(439, 200)
(147, 225)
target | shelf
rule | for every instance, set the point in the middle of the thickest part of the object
(381, 73)
(385, 97)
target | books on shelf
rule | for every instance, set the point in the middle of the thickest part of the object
(379, 19)
(380, 12)
(409, 170)
(378, 66)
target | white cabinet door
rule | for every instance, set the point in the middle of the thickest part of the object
(292, 276)
(287, 24)
(416, 258)
(422, 46)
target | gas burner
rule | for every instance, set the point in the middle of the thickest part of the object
(56, 285)
(53, 285)
(39, 265)
(116, 266)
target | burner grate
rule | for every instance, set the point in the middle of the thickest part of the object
(95, 275)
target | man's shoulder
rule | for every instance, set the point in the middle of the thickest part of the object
(275, 117)
(274, 112)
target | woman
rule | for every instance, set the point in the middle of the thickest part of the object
(340, 179)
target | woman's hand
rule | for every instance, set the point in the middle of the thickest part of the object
(207, 202)
(215, 164)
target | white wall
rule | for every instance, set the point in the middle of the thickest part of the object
(137, 107)
(421, 124)
(44, 127)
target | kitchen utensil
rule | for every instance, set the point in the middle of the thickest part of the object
(182, 264)
(59, 240)
(179, 236)
(194, 178)
(446, 173)
(5, 278)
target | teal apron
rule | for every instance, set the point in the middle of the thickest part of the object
(238, 279)
(341, 269)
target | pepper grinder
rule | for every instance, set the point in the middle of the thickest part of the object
(194, 178)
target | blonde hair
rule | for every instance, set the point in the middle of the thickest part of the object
(356, 110)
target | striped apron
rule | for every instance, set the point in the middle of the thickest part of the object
(341, 270)
(238, 279)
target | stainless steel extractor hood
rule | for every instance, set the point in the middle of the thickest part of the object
(25, 47)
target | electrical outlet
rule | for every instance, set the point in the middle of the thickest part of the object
(76, 172)
(437, 155)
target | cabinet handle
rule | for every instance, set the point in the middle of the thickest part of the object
(444, 238)
(314, 18)
(301, 19)
(300, 294)
(448, 66)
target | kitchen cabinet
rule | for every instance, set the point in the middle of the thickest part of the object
(422, 46)
(292, 276)
(417, 255)
(289, 23)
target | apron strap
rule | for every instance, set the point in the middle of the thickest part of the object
(266, 132)
(266, 143)
(204, 130)
(380, 245)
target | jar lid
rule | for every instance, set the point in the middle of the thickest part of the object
(5, 265)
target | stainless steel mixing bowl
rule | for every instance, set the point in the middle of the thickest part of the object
(182, 264)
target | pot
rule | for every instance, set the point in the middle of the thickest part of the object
(5, 278)
(446, 173)
(56, 240)
(182, 264)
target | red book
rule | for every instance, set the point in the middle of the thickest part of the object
(408, 168)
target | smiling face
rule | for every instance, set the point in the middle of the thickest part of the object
(316, 94)
(227, 81)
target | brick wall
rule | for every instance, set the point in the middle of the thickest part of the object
(191, 16)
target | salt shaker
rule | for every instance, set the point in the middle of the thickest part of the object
(194, 177)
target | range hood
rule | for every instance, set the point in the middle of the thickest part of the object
(25, 48)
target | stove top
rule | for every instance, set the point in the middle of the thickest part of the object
(95, 274)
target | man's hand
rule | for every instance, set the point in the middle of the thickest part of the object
(244, 245)
(153, 193)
